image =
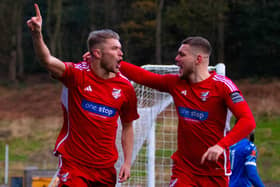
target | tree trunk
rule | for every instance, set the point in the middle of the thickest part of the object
(158, 32)
(57, 31)
(54, 13)
(12, 67)
(19, 49)
(221, 28)
(13, 43)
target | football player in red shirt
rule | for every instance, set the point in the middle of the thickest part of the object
(95, 96)
(202, 100)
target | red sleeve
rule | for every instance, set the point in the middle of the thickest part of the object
(128, 111)
(144, 77)
(73, 74)
(244, 117)
(67, 77)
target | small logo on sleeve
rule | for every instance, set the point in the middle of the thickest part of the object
(253, 153)
(236, 97)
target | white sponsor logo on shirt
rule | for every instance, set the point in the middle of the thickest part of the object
(184, 92)
(88, 88)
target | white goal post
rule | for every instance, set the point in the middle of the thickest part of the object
(155, 133)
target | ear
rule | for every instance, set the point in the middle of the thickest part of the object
(199, 58)
(97, 53)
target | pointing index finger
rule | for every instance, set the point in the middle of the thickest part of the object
(38, 13)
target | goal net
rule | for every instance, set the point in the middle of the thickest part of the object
(155, 133)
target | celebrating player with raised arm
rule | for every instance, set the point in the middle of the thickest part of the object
(96, 95)
(202, 100)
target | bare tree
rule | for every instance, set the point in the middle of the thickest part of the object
(221, 38)
(111, 15)
(19, 49)
(14, 30)
(54, 26)
(158, 31)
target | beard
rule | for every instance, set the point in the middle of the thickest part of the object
(111, 66)
(185, 73)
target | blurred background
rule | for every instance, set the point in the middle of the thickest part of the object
(244, 35)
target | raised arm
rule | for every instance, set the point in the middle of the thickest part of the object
(127, 145)
(55, 66)
(142, 76)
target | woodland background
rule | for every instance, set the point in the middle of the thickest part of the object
(244, 34)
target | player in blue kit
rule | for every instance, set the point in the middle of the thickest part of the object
(243, 156)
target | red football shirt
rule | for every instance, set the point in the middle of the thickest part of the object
(202, 111)
(92, 106)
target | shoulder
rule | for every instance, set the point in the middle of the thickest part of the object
(252, 147)
(123, 79)
(243, 144)
(249, 148)
(123, 82)
(225, 82)
(80, 66)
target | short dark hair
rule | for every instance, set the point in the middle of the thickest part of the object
(99, 36)
(252, 136)
(199, 43)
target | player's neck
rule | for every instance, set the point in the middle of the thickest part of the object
(101, 72)
(198, 76)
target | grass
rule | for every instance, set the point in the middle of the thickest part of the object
(268, 145)
(267, 142)
(19, 151)
(30, 143)
(21, 148)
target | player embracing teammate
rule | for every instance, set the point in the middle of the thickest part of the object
(202, 100)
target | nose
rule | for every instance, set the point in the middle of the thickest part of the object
(177, 59)
(120, 53)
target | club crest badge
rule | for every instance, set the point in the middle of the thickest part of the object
(116, 93)
(64, 177)
(204, 95)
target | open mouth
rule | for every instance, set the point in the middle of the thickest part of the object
(118, 66)
(180, 69)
